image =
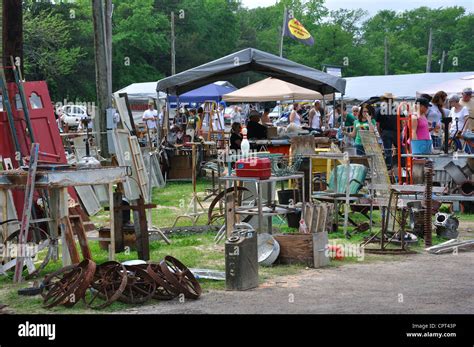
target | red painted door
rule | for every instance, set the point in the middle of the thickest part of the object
(45, 130)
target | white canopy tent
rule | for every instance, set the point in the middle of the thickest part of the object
(404, 87)
(141, 92)
(454, 86)
(271, 89)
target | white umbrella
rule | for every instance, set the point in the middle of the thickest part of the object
(271, 89)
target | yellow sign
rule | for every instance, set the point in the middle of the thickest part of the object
(298, 30)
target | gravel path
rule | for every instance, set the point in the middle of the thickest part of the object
(420, 283)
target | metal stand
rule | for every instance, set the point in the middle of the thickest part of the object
(232, 212)
(394, 219)
(195, 202)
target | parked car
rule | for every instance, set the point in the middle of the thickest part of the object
(72, 114)
(276, 112)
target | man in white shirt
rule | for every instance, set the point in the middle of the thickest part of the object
(315, 116)
(150, 116)
(468, 102)
(218, 124)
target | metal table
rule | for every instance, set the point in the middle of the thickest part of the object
(232, 210)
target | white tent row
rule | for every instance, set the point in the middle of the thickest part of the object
(145, 91)
(404, 87)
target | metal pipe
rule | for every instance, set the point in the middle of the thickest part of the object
(467, 188)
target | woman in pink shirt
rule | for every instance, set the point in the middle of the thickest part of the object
(420, 126)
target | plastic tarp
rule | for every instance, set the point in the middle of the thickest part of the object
(271, 89)
(251, 59)
(404, 87)
(210, 92)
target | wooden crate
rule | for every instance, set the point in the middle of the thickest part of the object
(306, 249)
(181, 167)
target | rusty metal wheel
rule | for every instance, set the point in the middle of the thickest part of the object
(43, 242)
(140, 286)
(164, 289)
(180, 277)
(68, 285)
(110, 280)
(216, 214)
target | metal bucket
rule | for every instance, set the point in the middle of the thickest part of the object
(268, 249)
(455, 172)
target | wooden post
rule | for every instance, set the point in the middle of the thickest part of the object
(118, 227)
(68, 237)
(12, 35)
(63, 212)
(112, 222)
(141, 230)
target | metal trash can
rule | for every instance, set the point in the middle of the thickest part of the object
(241, 261)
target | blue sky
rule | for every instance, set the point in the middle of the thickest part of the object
(375, 5)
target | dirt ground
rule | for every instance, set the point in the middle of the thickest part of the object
(413, 284)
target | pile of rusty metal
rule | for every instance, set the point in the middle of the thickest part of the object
(98, 286)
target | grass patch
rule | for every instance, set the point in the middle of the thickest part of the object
(194, 250)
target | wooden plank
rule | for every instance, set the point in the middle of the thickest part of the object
(295, 249)
(320, 242)
(28, 205)
(139, 166)
(66, 229)
(78, 227)
(316, 218)
(141, 231)
(322, 221)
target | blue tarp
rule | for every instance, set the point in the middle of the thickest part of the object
(211, 92)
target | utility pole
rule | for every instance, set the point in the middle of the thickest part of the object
(12, 35)
(102, 67)
(386, 55)
(108, 42)
(173, 47)
(443, 57)
(285, 14)
(430, 51)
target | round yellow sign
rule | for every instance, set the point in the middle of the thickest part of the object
(298, 30)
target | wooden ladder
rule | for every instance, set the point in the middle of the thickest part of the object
(139, 167)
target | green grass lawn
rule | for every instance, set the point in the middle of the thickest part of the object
(194, 250)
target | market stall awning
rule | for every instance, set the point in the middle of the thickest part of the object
(251, 59)
(210, 92)
(271, 89)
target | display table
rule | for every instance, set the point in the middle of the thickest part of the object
(56, 183)
(261, 210)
